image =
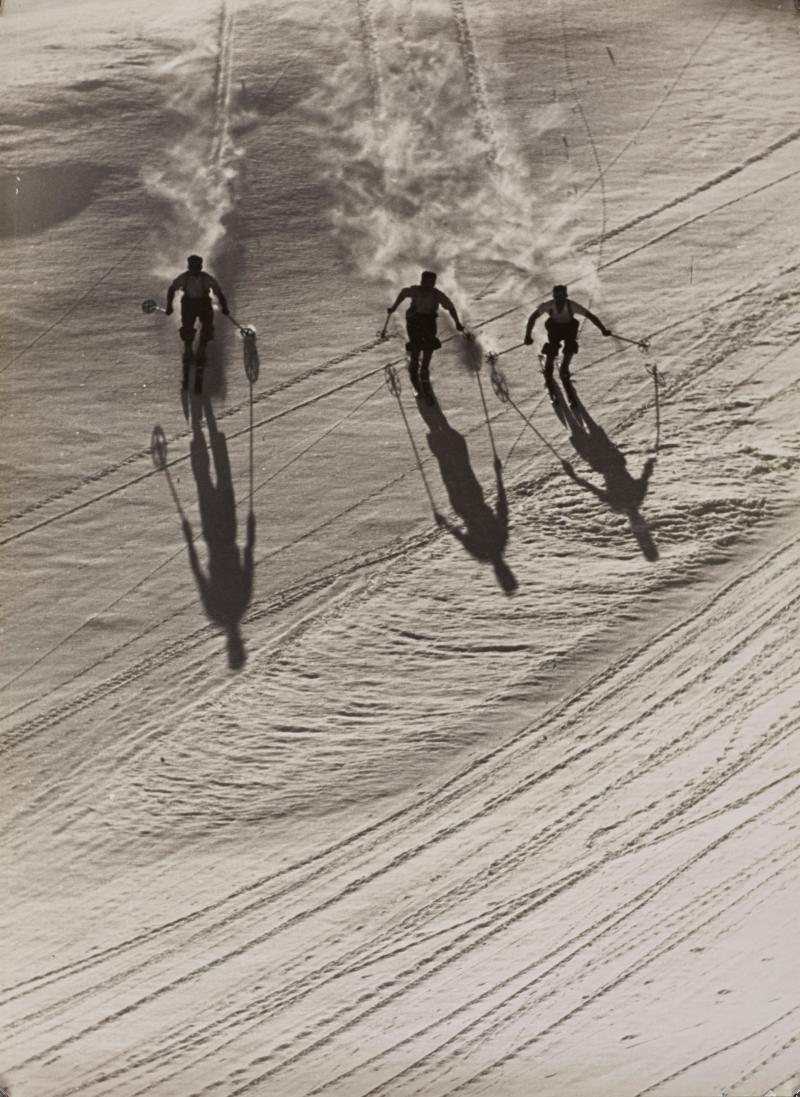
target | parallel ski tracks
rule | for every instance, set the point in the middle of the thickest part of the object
(370, 44)
(473, 72)
(458, 947)
(600, 177)
(465, 787)
(470, 934)
(487, 1024)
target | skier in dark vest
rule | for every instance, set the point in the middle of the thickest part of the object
(196, 286)
(421, 315)
(562, 328)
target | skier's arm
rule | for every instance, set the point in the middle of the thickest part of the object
(587, 485)
(581, 311)
(534, 316)
(402, 295)
(223, 304)
(446, 303)
(176, 285)
(647, 472)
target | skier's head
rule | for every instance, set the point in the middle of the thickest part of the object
(195, 263)
(427, 279)
(559, 293)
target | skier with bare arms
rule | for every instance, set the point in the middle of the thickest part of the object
(421, 325)
(562, 328)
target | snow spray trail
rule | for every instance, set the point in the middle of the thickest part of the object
(196, 180)
(420, 176)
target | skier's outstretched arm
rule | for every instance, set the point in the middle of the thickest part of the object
(446, 303)
(402, 295)
(223, 303)
(534, 316)
(587, 485)
(598, 323)
(171, 295)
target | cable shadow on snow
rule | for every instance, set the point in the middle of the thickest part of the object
(227, 586)
(485, 535)
(622, 493)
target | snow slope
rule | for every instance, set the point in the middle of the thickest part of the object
(504, 803)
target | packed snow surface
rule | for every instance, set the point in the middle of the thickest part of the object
(353, 746)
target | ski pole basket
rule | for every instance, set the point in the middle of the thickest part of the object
(392, 380)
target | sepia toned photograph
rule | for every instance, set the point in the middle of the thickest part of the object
(400, 548)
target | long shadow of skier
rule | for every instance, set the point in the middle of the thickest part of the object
(486, 534)
(227, 588)
(623, 493)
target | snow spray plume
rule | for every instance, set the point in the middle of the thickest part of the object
(471, 352)
(419, 177)
(197, 178)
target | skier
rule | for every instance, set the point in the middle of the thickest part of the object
(421, 327)
(196, 285)
(562, 327)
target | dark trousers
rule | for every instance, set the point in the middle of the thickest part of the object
(422, 341)
(193, 309)
(556, 335)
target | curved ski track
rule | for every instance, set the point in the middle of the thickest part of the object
(486, 895)
(434, 933)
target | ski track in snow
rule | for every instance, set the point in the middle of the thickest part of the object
(264, 608)
(474, 76)
(570, 864)
(695, 52)
(498, 780)
(339, 359)
(369, 41)
(600, 177)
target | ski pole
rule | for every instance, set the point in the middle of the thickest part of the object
(500, 386)
(642, 344)
(251, 448)
(658, 380)
(149, 306)
(158, 451)
(485, 411)
(393, 382)
(492, 356)
(383, 334)
(247, 330)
